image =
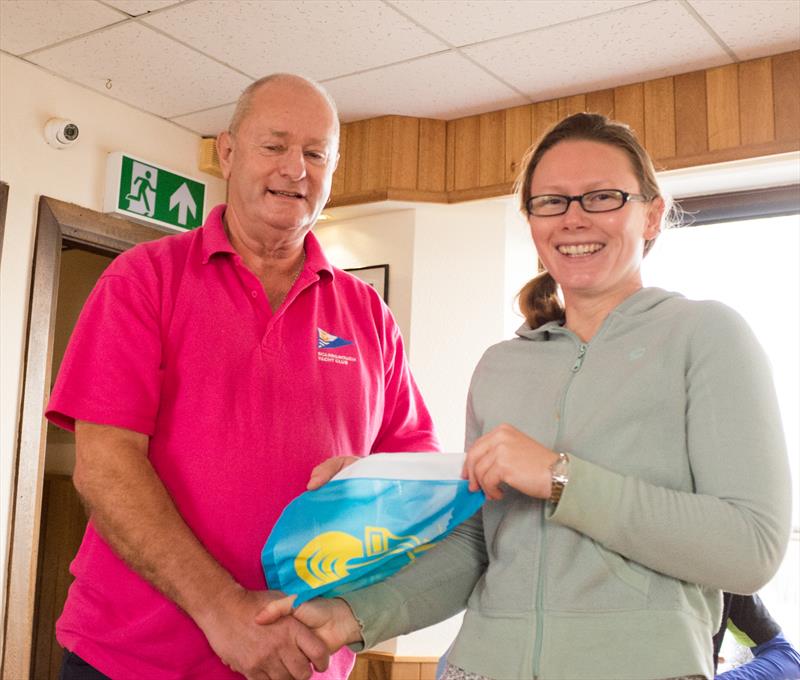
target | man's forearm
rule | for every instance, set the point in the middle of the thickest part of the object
(135, 515)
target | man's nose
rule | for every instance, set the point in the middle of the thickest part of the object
(293, 164)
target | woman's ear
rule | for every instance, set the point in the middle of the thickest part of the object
(655, 212)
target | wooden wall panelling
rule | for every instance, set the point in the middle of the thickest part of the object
(432, 155)
(545, 115)
(722, 94)
(569, 105)
(601, 102)
(386, 666)
(726, 113)
(786, 90)
(629, 107)
(518, 138)
(356, 151)
(404, 152)
(756, 112)
(467, 162)
(659, 117)
(491, 148)
(691, 120)
(377, 169)
(450, 156)
(338, 183)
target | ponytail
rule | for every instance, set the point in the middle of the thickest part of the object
(539, 301)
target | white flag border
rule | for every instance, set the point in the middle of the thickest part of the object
(416, 466)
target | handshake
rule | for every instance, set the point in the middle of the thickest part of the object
(330, 620)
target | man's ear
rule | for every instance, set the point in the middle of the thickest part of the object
(225, 152)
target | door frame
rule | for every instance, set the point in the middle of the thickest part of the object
(59, 225)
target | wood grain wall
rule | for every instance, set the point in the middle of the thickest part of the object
(384, 666)
(726, 113)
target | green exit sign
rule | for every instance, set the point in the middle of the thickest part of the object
(149, 193)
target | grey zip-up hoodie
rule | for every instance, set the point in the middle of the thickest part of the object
(679, 488)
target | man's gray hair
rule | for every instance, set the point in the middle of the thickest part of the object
(245, 101)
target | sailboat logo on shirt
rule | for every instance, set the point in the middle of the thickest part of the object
(327, 340)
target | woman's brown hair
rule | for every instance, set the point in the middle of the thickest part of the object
(538, 299)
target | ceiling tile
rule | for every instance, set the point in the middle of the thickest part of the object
(440, 86)
(146, 69)
(753, 28)
(632, 45)
(318, 39)
(138, 7)
(479, 20)
(207, 123)
(27, 25)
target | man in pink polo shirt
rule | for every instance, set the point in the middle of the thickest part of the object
(208, 374)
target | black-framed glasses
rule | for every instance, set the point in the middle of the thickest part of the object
(600, 200)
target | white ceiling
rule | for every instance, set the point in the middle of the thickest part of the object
(187, 60)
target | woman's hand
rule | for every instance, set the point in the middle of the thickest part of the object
(507, 456)
(331, 620)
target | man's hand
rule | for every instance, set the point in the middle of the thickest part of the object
(507, 456)
(330, 619)
(323, 473)
(283, 649)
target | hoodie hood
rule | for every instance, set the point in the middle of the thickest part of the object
(642, 302)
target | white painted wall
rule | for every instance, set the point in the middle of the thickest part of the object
(28, 98)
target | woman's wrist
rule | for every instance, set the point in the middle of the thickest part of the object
(559, 477)
(348, 625)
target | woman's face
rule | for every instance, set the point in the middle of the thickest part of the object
(592, 254)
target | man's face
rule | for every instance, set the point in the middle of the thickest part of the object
(280, 161)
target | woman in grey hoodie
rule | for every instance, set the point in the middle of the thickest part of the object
(629, 443)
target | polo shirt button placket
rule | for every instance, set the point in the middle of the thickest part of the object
(254, 293)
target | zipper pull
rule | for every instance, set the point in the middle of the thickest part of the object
(579, 360)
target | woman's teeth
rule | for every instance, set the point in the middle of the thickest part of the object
(580, 249)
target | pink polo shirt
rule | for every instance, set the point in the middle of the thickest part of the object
(177, 341)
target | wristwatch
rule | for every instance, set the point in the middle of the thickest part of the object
(559, 477)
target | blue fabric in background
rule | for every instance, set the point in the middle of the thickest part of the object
(354, 532)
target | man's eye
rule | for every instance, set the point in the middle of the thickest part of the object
(272, 148)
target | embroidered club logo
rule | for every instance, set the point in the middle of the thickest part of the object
(327, 340)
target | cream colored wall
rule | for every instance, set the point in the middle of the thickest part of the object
(28, 97)
(458, 303)
(387, 238)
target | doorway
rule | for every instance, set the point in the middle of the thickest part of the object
(73, 245)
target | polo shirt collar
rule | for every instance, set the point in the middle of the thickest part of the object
(215, 240)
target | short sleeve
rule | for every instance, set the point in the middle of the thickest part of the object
(111, 372)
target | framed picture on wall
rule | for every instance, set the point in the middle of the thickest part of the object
(376, 276)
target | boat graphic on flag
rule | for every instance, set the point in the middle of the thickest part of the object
(373, 518)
